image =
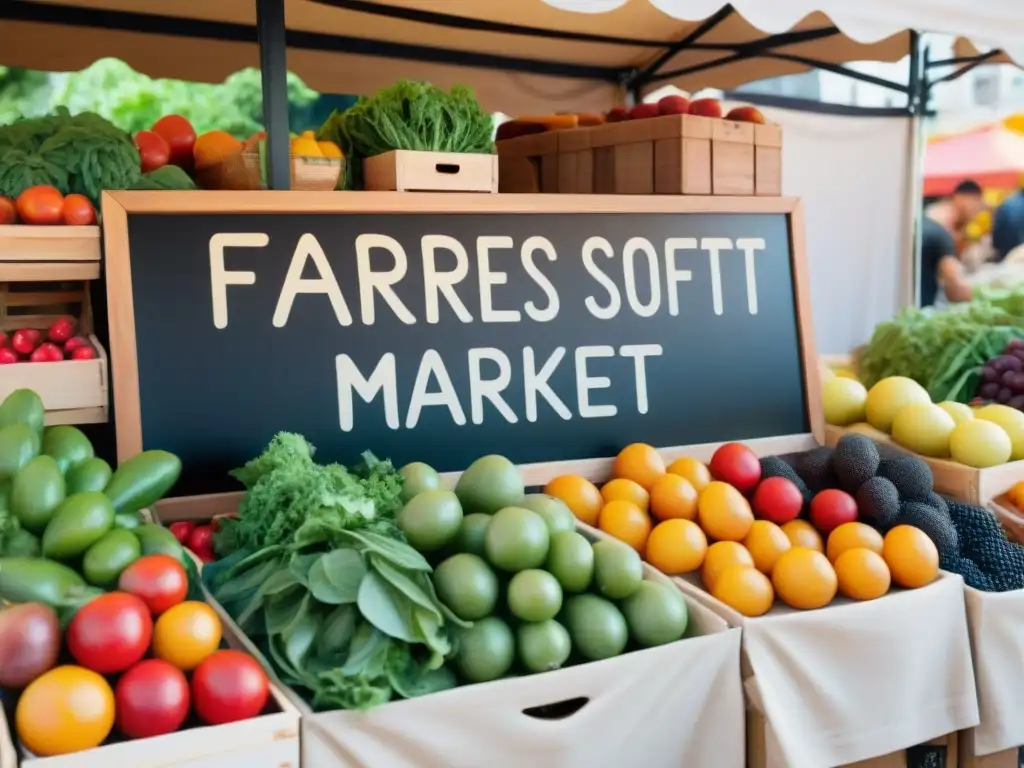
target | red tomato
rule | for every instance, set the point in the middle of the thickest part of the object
(47, 352)
(181, 530)
(111, 633)
(180, 137)
(8, 356)
(83, 353)
(62, 329)
(737, 465)
(229, 686)
(152, 698)
(25, 340)
(75, 342)
(8, 213)
(200, 541)
(41, 205)
(159, 581)
(777, 500)
(78, 211)
(832, 508)
(154, 151)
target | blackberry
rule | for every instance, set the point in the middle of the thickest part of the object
(911, 476)
(773, 466)
(970, 571)
(974, 523)
(999, 558)
(854, 460)
(878, 502)
(930, 521)
(938, 502)
(815, 468)
(1006, 582)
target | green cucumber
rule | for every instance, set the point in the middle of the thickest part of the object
(37, 491)
(19, 444)
(91, 475)
(23, 406)
(68, 445)
(127, 520)
(143, 480)
(103, 561)
(157, 540)
(82, 520)
(35, 580)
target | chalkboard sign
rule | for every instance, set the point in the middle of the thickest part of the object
(440, 328)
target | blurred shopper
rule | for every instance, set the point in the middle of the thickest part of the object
(1008, 225)
(943, 278)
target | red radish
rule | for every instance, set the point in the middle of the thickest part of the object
(8, 356)
(75, 342)
(673, 105)
(831, 508)
(617, 115)
(737, 465)
(26, 340)
(83, 353)
(777, 500)
(641, 111)
(47, 353)
(182, 530)
(62, 330)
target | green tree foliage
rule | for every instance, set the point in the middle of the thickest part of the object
(134, 101)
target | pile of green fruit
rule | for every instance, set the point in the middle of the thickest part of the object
(533, 593)
(69, 524)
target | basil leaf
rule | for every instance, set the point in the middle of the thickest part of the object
(366, 642)
(397, 552)
(299, 638)
(338, 630)
(283, 608)
(404, 584)
(335, 578)
(301, 564)
(428, 625)
(388, 612)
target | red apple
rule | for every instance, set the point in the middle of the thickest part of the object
(8, 356)
(777, 500)
(47, 353)
(746, 115)
(737, 465)
(673, 105)
(642, 111)
(25, 340)
(83, 353)
(61, 330)
(831, 508)
(706, 108)
(616, 115)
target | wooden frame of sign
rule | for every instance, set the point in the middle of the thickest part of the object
(708, 216)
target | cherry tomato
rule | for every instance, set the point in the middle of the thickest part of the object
(831, 508)
(159, 581)
(186, 634)
(180, 137)
(78, 211)
(737, 465)
(182, 530)
(229, 686)
(154, 151)
(200, 541)
(66, 710)
(111, 633)
(152, 699)
(41, 205)
(777, 499)
(8, 213)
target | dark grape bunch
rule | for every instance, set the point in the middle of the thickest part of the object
(1002, 378)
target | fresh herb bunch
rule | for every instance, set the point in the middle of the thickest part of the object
(410, 115)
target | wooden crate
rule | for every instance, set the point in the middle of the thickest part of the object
(575, 161)
(682, 159)
(44, 275)
(732, 158)
(409, 171)
(767, 160)
(958, 481)
(529, 164)
(624, 157)
(1008, 758)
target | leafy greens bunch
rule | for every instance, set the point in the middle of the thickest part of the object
(320, 578)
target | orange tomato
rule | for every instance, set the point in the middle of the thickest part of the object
(852, 536)
(626, 522)
(41, 205)
(78, 211)
(621, 489)
(745, 589)
(579, 495)
(766, 542)
(862, 574)
(640, 463)
(676, 546)
(911, 556)
(65, 710)
(186, 634)
(691, 469)
(724, 513)
(720, 556)
(673, 497)
(804, 578)
(802, 534)
(212, 147)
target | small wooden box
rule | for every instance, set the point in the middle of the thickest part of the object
(410, 171)
(624, 158)
(732, 158)
(575, 162)
(682, 157)
(767, 160)
(529, 164)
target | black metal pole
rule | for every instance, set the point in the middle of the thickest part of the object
(917, 75)
(270, 32)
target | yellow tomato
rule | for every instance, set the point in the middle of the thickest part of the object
(65, 710)
(186, 634)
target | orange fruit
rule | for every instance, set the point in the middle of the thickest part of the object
(744, 589)
(1016, 495)
(862, 574)
(720, 556)
(676, 546)
(640, 463)
(626, 522)
(186, 634)
(852, 536)
(802, 534)
(691, 469)
(911, 556)
(621, 489)
(766, 542)
(673, 497)
(212, 147)
(723, 512)
(579, 495)
(804, 578)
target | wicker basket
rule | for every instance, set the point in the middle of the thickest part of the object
(242, 171)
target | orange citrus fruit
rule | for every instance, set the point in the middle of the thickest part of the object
(640, 463)
(720, 556)
(852, 536)
(690, 469)
(579, 495)
(766, 542)
(724, 513)
(626, 522)
(673, 497)
(911, 556)
(676, 546)
(802, 534)
(804, 579)
(862, 574)
(212, 147)
(621, 489)
(744, 589)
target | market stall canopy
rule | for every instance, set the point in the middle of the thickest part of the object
(993, 156)
(520, 55)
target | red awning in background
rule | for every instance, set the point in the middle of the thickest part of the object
(992, 156)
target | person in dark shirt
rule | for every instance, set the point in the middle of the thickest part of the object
(942, 277)
(1008, 225)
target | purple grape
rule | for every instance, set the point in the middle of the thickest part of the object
(1018, 353)
(988, 373)
(1017, 401)
(989, 390)
(1003, 395)
(1006, 363)
(1015, 345)
(1015, 381)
